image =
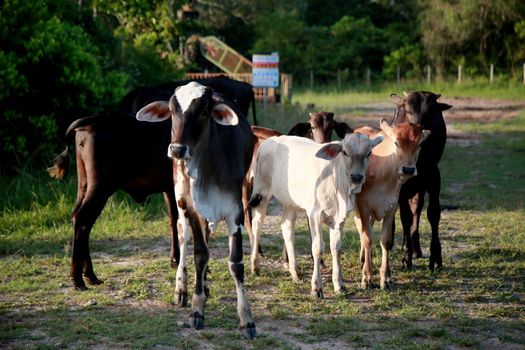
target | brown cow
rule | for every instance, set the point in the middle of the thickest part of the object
(392, 163)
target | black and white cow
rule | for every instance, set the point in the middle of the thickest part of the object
(212, 146)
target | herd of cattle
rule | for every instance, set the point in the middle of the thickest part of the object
(211, 165)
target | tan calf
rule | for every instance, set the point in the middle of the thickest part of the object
(392, 162)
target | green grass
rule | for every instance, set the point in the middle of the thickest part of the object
(336, 98)
(477, 301)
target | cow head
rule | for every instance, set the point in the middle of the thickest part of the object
(406, 139)
(319, 127)
(416, 105)
(191, 108)
(355, 150)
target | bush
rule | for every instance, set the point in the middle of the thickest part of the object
(51, 73)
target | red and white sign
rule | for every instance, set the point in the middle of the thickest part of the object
(265, 70)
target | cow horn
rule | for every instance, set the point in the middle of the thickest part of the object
(405, 93)
(438, 96)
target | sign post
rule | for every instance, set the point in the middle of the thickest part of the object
(265, 72)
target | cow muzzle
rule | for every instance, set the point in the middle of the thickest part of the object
(408, 170)
(178, 151)
(357, 178)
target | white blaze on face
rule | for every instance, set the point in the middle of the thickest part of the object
(187, 93)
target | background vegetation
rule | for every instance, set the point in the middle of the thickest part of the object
(64, 59)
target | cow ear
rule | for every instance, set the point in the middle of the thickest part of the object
(443, 106)
(376, 141)
(396, 99)
(329, 151)
(154, 112)
(387, 129)
(300, 129)
(341, 129)
(224, 115)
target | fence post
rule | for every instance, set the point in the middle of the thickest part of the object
(339, 79)
(368, 76)
(459, 73)
(428, 75)
(491, 73)
(311, 79)
(398, 75)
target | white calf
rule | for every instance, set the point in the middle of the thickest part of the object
(320, 179)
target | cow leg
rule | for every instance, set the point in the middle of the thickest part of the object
(287, 228)
(169, 198)
(83, 219)
(181, 284)
(416, 206)
(259, 214)
(248, 217)
(201, 257)
(434, 216)
(317, 251)
(236, 267)
(364, 226)
(335, 248)
(387, 242)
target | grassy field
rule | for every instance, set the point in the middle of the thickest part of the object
(477, 301)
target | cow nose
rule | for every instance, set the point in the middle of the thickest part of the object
(177, 151)
(409, 170)
(357, 178)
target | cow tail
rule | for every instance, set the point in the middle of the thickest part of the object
(61, 161)
(255, 200)
(253, 109)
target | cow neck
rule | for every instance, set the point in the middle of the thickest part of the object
(212, 159)
(387, 164)
(343, 182)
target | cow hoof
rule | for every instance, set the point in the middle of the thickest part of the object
(340, 292)
(407, 263)
(93, 280)
(196, 321)
(249, 331)
(387, 285)
(81, 288)
(174, 264)
(78, 284)
(366, 284)
(318, 294)
(181, 298)
(417, 255)
(207, 292)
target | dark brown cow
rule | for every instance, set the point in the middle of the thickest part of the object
(320, 127)
(212, 147)
(109, 158)
(422, 107)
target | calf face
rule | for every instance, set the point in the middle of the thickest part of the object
(356, 150)
(407, 139)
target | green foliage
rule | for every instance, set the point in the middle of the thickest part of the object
(52, 73)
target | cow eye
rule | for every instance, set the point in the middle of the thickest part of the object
(344, 153)
(369, 154)
(395, 143)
